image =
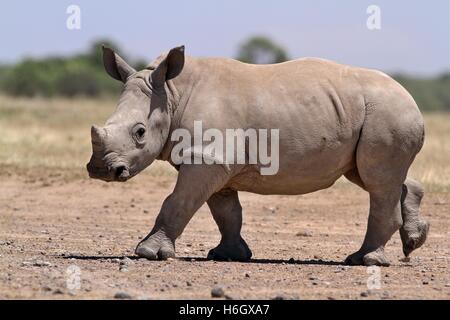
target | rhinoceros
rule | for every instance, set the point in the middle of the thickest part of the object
(334, 120)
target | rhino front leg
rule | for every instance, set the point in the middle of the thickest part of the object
(227, 212)
(195, 184)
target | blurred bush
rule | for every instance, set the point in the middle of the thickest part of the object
(431, 94)
(78, 75)
(83, 75)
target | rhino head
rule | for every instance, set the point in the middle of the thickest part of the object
(136, 133)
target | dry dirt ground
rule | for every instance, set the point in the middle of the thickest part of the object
(55, 231)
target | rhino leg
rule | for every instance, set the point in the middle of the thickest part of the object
(179, 207)
(227, 212)
(414, 230)
(386, 148)
(384, 220)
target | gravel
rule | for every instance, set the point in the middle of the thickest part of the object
(217, 292)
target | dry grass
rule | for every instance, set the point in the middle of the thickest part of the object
(432, 164)
(40, 136)
(52, 136)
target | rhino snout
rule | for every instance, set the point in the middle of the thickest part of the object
(121, 172)
(118, 172)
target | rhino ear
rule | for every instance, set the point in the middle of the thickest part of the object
(115, 66)
(169, 67)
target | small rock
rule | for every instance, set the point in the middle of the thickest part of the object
(291, 260)
(285, 297)
(123, 269)
(126, 261)
(145, 211)
(425, 282)
(217, 292)
(36, 263)
(58, 291)
(189, 284)
(122, 295)
(304, 234)
(247, 275)
(364, 294)
(405, 259)
(271, 209)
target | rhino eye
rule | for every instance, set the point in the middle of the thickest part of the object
(140, 133)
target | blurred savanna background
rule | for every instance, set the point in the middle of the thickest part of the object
(53, 86)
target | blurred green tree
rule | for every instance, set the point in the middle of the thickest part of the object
(261, 50)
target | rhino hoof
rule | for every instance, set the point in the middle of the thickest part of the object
(145, 252)
(231, 252)
(413, 238)
(155, 249)
(374, 258)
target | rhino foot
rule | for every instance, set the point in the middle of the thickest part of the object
(156, 246)
(414, 235)
(231, 252)
(362, 258)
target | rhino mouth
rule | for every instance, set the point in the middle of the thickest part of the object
(119, 172)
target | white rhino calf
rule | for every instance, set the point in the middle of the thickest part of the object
(333, 120)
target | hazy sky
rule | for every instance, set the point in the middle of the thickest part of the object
(414, 35)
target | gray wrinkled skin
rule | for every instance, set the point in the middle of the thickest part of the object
(334, 120)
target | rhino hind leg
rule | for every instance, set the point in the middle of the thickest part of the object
(384, 220)
(227, 212)
(414, 230)
(387, 146)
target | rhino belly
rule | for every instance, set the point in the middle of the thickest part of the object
(300, 171)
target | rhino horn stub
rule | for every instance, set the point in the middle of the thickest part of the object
(97, 134)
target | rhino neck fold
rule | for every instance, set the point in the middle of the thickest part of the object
(179, 91)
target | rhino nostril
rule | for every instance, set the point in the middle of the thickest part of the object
(119, 171)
